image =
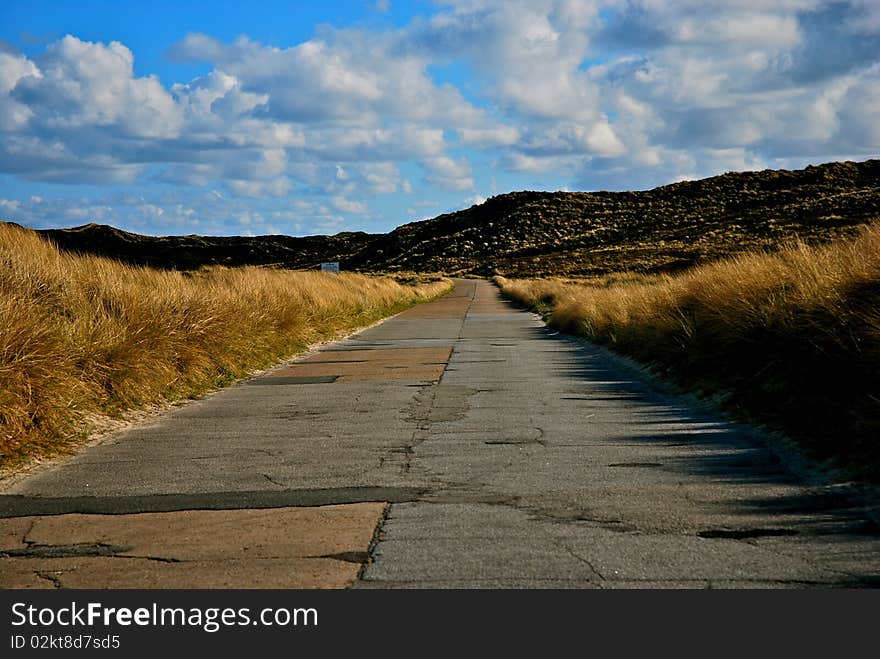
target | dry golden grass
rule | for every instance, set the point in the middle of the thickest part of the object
(83, 336)
(791, 339)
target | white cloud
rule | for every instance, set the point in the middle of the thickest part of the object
(78, 113)
(342, 76)
(216, 93)
(10, 205)
(559, 138)
(449, 173)
(528, 51)
(742, 29)
(276, 187)
(540, 164)
(12, 69)
(855, 108)
(85, 84)
(348, 206)
(13, 114)
(611, 93)
(196, 47)
(352, 142)
(382, 177)
(498, 135)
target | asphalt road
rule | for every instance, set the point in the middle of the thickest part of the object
(459, 444)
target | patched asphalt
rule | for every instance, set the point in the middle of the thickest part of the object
(460, 444)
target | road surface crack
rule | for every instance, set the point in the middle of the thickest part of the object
(540, 438)
(272, 480)
(420, 413)
(24, 537)
(581, 559)
(158, 559)
(48, 576)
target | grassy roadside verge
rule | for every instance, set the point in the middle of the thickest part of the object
(790, 339)
(83, 336)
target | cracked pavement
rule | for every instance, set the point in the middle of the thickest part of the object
(461, 444)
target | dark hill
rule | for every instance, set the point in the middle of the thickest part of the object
(668, 228)
(562, 233)
(190, 252)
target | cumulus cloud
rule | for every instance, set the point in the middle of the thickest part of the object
(601, 93)
(528, 52)
(493, 136)
(82, 84)
(449, 173)
(216, 97)
(344, 205)
(345, 75)
(275, 187)
(14, 114)
(646, 87)
(78, 113)
(688, 80)
(383, 177)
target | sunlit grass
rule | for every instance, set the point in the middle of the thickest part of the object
(82, 336)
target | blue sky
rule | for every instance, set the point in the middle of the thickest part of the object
(304, 117)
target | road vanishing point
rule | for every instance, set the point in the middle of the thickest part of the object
(460, 444)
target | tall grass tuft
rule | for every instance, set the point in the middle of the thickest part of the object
(791, 339)
(83, 336)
